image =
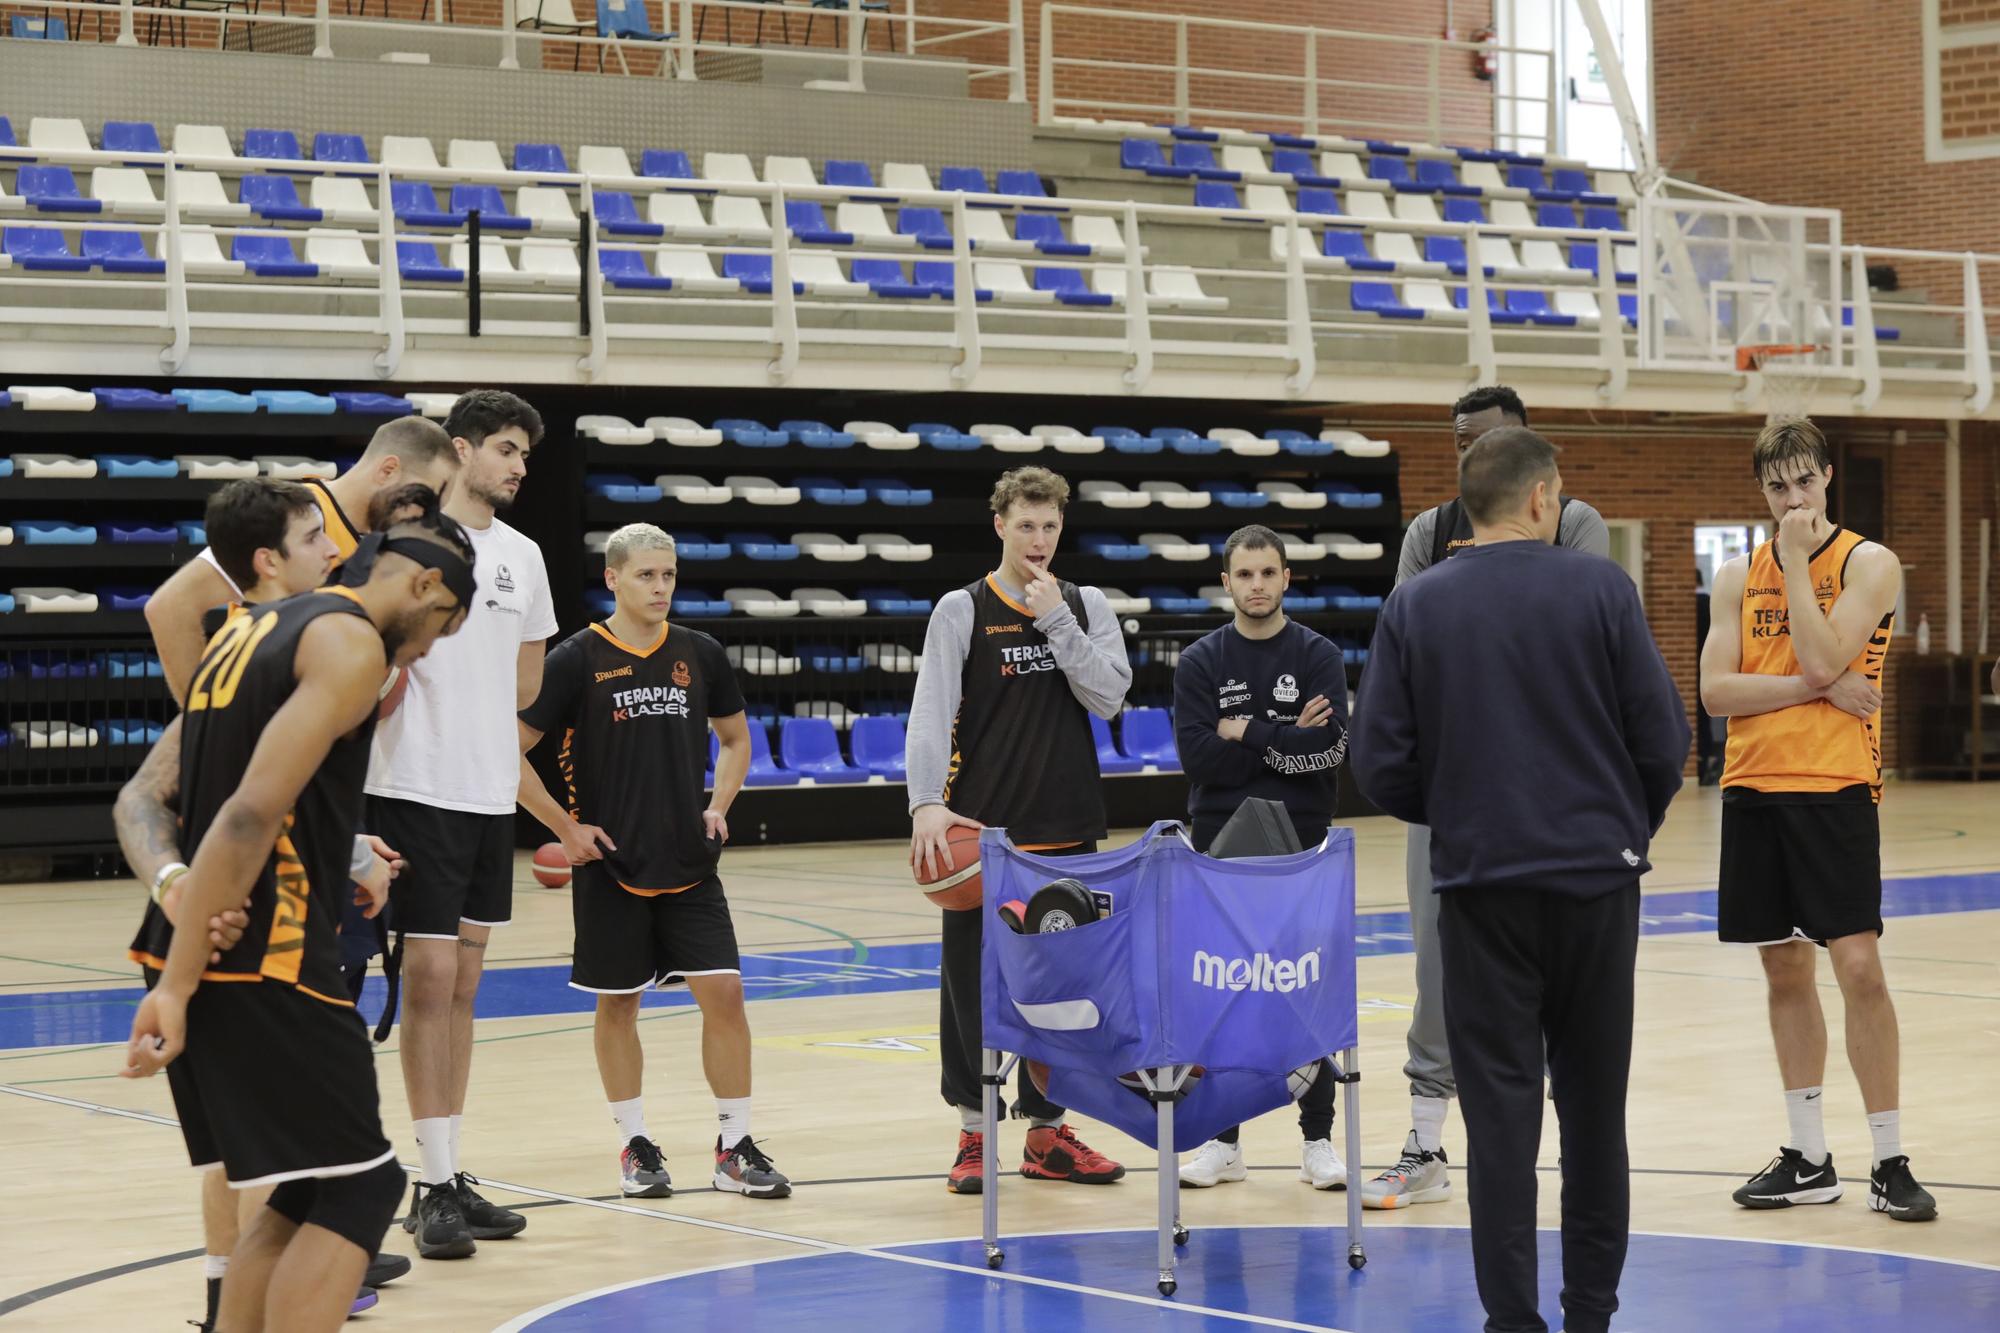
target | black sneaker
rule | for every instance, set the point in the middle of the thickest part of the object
(438, 1223)
(1789, 1180)
(1893, 1190)
(488, 1221)
(745, 1169)
(385, 1268)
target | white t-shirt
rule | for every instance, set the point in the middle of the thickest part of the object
(452, 742)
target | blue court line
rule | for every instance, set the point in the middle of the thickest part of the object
(79, 1017)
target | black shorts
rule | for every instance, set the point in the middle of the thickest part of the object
(275, 1085)
(1799, 869)
(628, 942)
(459, 867)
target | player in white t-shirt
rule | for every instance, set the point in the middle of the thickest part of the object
(441, 783)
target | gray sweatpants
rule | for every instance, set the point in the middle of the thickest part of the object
(1429, 1066)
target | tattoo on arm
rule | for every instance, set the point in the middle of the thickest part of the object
(149, 830)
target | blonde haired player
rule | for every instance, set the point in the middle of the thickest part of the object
(634, 697)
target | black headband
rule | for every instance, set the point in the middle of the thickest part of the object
(456, 572)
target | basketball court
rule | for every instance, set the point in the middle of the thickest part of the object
(841, 958)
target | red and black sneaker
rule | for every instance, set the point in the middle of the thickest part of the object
(970, 1166)
(1056, 1153)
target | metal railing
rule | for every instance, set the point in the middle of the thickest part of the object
(1284, 74)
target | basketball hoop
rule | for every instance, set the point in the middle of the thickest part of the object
(1789, 374)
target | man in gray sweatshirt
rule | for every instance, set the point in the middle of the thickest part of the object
(1000, 735)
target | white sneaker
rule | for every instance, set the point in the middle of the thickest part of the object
(1320, 1166)
(1418, 1178)
(1213, 1163)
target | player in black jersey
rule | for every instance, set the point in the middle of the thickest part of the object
(1013, 668)
(278, 1082)
(634, 698)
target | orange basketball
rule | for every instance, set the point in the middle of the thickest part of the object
(551, 865)
(393, 691)
(955, 888)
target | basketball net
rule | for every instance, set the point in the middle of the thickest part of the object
(1788, 374)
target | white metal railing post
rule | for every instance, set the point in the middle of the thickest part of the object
(1309, 122)
(1138, 322)
(965, 301)
(1550, 120)
(685, 35)
(1610, 322)
(857, 39)
(1298, 314)
(510, 33)
(1434, 102)
(1045, 76)
(174, 354)
(784, 304)
(910, 26)
(1181, 70)
(1867, 356)
(126, 37)
(1017, 51)
(322, 31)
(389, 274)
(1478, 315)
(1978, 361)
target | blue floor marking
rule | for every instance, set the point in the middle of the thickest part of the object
(77, 1017)
(1418, 1280)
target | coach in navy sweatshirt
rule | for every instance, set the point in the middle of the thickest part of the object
(1515, 702)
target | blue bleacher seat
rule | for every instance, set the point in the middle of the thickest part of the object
(374, 404)
(885, 277)
(1296, 601)
(1215, 194)
(893, 602)
(140, 534)
(1024, 184)
(622, 489)
(1184, 441)
(281, 145)
(1175, 601)
(694, 546)
(1347, 495)
(1535, 305)
(1554, 215)
(1108, 758)
(6, 133)
(1496, 307)
(415, 203)
(1343, 598)
(139, 467)
(130, 136)
(1883, 333)
(420, 261)
(849, 174)
(49, 532)
(937, 435)
(817, 435)
(39, 28)
(1449, 251)
(751, 434)
(294, 402)
(967, 180)
(1200, 159)
(761, 546)
(1045, 230)
(1464, 210)
(540, 157)
(1235, 495)
(808, 222)
(1145, 155)
(1437, 174)
(1313, 199)
(134, 400)
(878, 746)
(120, 252)
(1111, 548)
(1147, 734)
(811, 747)
(215, 400)
(1125, 440)
(329, 146)
(940, 277)
(692, 601)
(825, 490)
(492, 208)
(276, 198)
(1069, 286)
(1301, 168)
(1572, 179)
(53, 190)
(627, 269)
(619, 216)
(1395, 170)
(1192, 133)
(269, 255)
(754, 272)
(1352, 246)
(763, 771)
(890, 491)
(1628, 306)
(615, 18)
(193, 533)
(1522, 177)
(667, 164)
(1599, 218)
(1379, 298)
(41, 248)
(927, 225)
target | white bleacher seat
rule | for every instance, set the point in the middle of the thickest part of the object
(1267, 198)
(342, 200)
(1510, 213)
(613, 430)
(1243, 443)
(821, 274)
(691, 270)
(13, 203)
(52, 467)
(1006, 439)
(1123, 603)
(827, 602)
(54, 735)
(1487, 176)
(54, 398)
(1114, 495)
(1008, 282)
(407, 151)
(826, 547)
(1290, 495)
(1347, 546)
(215, 467)
(906, 176)
(548, 207)
(760, 602)
(1431, 298)
(340, 254)
(1354, 444)
(125, 191)
(787, 171)
(202, 257)
(692, 490)
(1179, 289)
(295, 467)
(761, 659)
(1417, 208)
(1297, 548)
(434, 405)
(1497, 253)
(1176, 496)
(681, 215)
(1617, 184)
(987, 229)
(727, 167)
(1545, 257)
(58, 134)
(893, 546)
(870, 226)
(1102, 233)
(761, 491)
(496, 265)
(1248, 161)
(1579, 302)
(683, 433)
(1400, 248)
(201, 141)
(598, 160)
(741, 218)
(881, 435)
(1216, 596)
(474, 155)
(1371, 207)
(200, 194)
(1172, 546)
(553, 262)
(892, 657)
(837, 713)
(1070, 440)
(598, 541)
(1344, 167)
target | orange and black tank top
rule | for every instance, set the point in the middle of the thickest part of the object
(338, 526)
(1811, 747)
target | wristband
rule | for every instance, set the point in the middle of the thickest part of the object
(167, 875)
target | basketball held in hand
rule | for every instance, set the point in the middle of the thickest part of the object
(957, 887)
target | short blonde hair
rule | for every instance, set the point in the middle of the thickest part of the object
(1030, 485)
(633, 538)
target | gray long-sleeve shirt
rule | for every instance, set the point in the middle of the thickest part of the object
(1581, 528)
(1095, 665)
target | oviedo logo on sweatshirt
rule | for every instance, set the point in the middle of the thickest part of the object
(1260, 972)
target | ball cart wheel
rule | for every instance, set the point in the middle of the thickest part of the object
(1357, 1262)
(1180, 1234)
(995, 1259)
(1168, 1286)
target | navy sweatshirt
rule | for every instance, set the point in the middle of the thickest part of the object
(1268, 681)
(1515, 702)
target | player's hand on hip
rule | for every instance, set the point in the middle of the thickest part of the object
(929, 851)
(159, 1033)
(1317, 713)
(1043, 595)
(1854, 693)
(714, 825)
(586, 842)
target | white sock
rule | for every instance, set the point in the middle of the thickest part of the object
(1805, 1110)
(1886, 1129)
(631, 1117)
(972, 1120)
(434, 1149)
(734, 1115)
(457, 1123)
(214, 1266)
(1040, 1122)
(1427, 1119)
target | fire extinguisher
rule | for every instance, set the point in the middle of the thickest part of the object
(1484, 63)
